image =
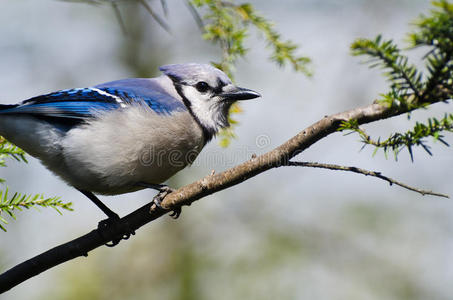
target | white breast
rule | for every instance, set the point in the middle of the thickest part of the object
(110, 154)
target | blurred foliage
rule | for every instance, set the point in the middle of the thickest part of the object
(134, 48)
(410, 87)
(19, 201)
(116, 9)
(228, 25)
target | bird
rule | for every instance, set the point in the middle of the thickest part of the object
(125, 135)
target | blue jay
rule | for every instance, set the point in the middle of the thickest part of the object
(126, 135)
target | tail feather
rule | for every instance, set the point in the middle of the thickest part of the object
(7, 106)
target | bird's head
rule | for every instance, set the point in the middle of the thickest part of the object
(207, 92)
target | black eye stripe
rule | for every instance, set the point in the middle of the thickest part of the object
(203, 87)
(219, 87)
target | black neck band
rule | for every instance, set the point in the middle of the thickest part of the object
(207, 132)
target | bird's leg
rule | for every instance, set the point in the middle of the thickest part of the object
(164, 190)
(112, 215)
(112, 218)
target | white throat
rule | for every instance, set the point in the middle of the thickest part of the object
(212, 113)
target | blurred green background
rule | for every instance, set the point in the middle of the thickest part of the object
(287, 234)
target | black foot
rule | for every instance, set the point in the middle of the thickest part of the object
(107, 224)
(164, 190)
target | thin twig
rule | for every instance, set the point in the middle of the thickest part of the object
(119, 17)
(363, 172)
(196, 16)
(164, 5)
(155, 16)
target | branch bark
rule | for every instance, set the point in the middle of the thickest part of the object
(210, 184)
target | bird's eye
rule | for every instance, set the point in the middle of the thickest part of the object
(202, 87)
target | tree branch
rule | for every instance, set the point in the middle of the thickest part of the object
(186, 195)
(363, 172)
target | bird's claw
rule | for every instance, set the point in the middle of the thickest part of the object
(104, 224)
(157, 201)
(176, 212)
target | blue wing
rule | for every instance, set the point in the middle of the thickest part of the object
(147, 90)
(75, 105)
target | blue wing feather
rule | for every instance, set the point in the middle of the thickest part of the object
(143, 89)
(84, 103)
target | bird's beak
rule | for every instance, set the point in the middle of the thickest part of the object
(238, 93)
